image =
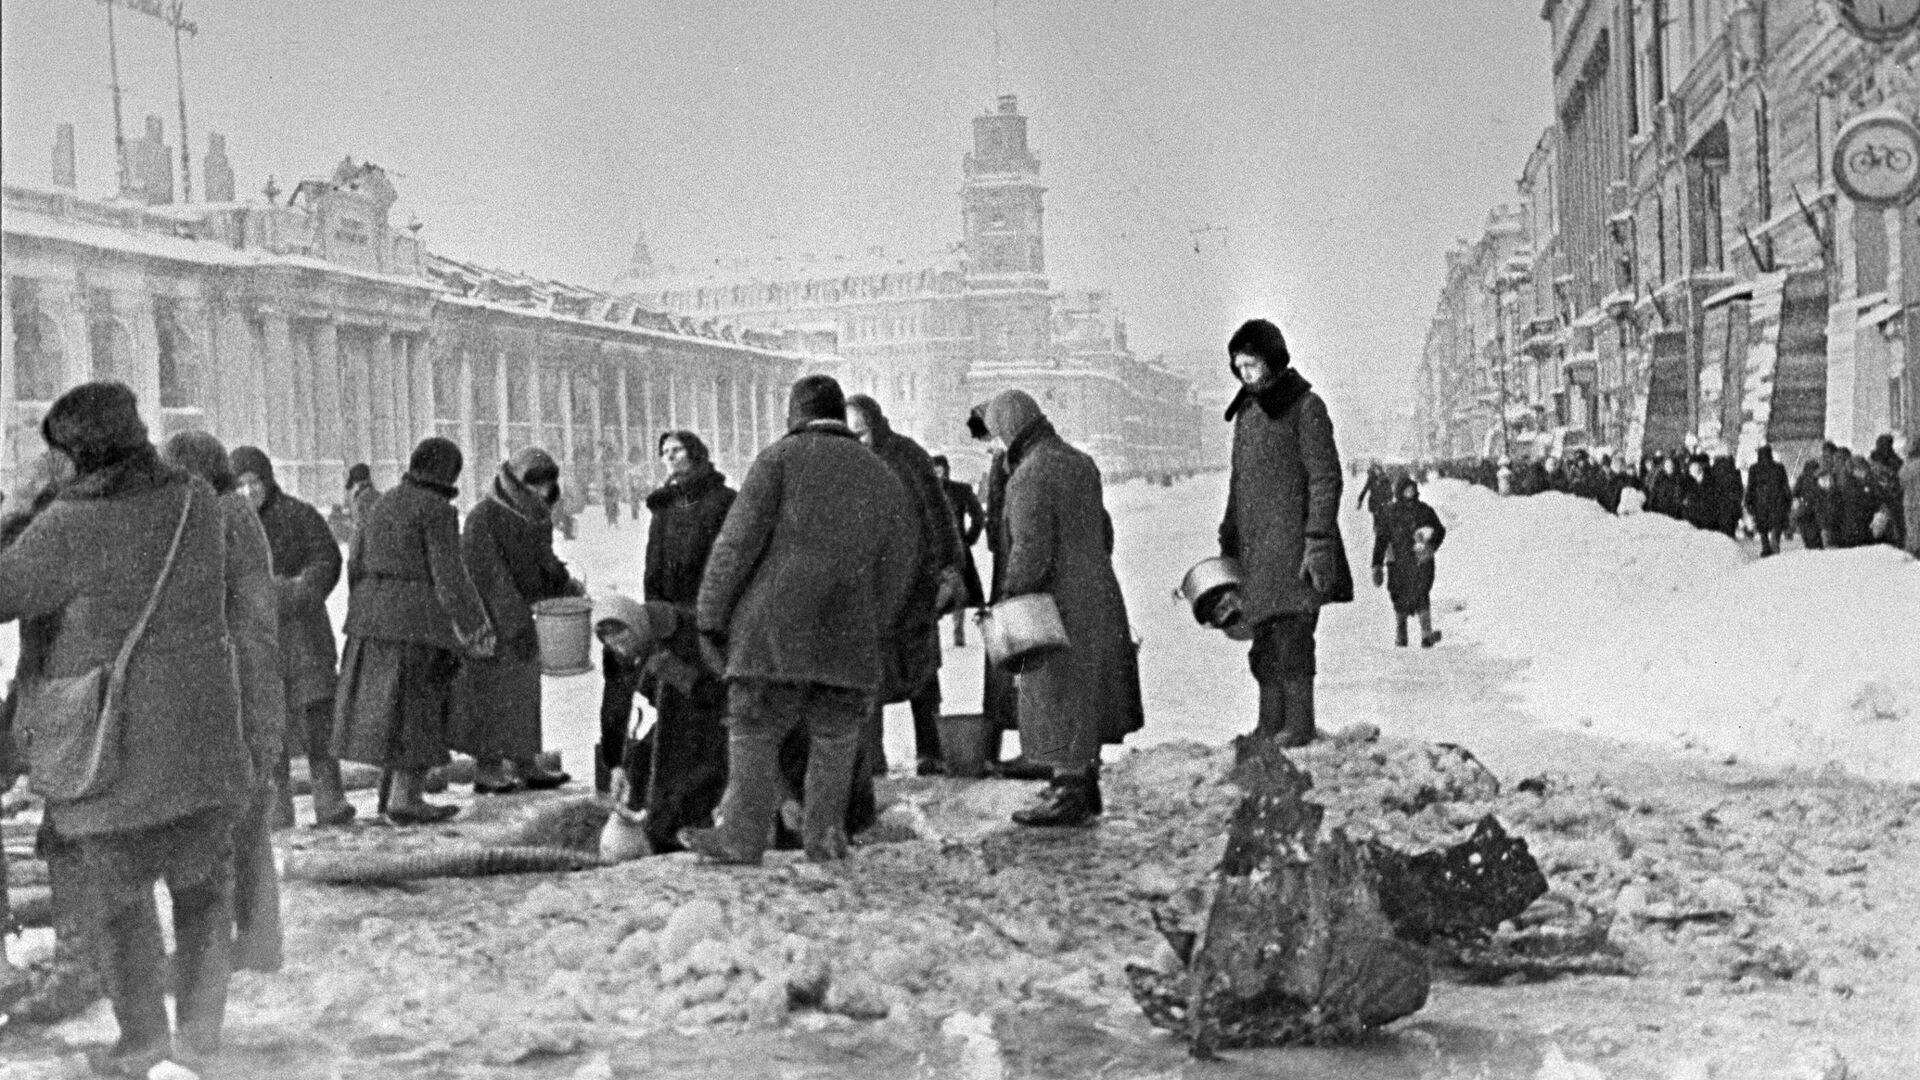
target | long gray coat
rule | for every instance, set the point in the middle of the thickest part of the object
(1285, 488)
(91, 558)
(306, 569)
(1059, 540)
(810, 568)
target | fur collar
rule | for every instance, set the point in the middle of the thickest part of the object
(445, 491)
(1275, 400)
(136, 474)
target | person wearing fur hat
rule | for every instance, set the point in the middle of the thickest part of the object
(1409, 533)
(412, 614)
(508, 548)
(129, 536)
(306, 570)
(1282, 523)
(253, 626)
(809, 572)
(913, 658)
(1059, 541)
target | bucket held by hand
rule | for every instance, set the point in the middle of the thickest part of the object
(1022, 627)
(564, 626)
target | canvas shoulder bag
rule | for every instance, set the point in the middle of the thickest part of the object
(72, 724)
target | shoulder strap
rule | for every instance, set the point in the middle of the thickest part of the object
(153, 602)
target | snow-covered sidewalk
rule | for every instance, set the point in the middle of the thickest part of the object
(1649, 630)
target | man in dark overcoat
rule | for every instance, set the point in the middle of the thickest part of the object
(306, 568)
(802, 588)
(1282, 524)
(1769, 499)
(913, 672)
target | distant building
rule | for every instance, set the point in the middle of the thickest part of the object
(1700, 275)
(319, 331)
(930, 336)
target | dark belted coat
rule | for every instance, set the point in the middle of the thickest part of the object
(306, 569)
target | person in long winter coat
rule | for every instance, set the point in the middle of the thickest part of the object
(165, 808)
(1727, 494)
(306, 569)
(1403, 547)
(1282, 523)
(412, 613)
(507, 545)
(1909, 478)
(253, 627)
(999, 698)
(913, 671)
(805, 581)
(970, 521)
(1769, 500)
(1059, 541)
(1698, 506)
(361, 495)
(73, 979)
(677, 773)
(1671, 486)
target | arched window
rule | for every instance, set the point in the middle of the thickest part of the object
(38, 352)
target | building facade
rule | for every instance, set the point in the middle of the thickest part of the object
(930, 337)
(321, 333)
(1703, 278)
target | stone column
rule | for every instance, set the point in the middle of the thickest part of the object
(504, 426)
(596, 419)
(756, 392)
(623, 371)
(420, 422)
(280, 438)
(386, 368)
(324, 473)
(566, 422)
(465, 409)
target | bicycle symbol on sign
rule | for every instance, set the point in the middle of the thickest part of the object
(1871, 157)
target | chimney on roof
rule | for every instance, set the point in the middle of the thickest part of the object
(63, 167)
(217, 170)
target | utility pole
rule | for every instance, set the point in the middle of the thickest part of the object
(176, 18)
(119, 127)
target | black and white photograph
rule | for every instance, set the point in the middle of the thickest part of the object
(960, 540)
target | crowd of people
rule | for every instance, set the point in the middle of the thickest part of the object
(176, 651)
(1840, 499)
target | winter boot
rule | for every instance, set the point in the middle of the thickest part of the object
(330, 805)
(492, 777)
(1400, 630)
(602, 772)
(1429, 637)
(280, 813)
(831, 760)
(1298, 730)
(1065, 804)
(873, 741)
(135, 959)
(407, 804)
(258, 938)
(76, 977)
(1273, 711)
(201, 916)
(536, 778)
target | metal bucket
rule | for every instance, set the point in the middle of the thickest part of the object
(1206, 584)
(963, 744)
(564, 626)
(1021, 627)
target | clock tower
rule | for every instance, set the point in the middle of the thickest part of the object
(1009, 304)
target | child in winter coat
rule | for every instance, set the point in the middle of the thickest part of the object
(1410, 532)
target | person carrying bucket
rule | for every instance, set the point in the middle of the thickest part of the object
(507, 546)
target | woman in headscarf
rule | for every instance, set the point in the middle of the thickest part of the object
(508, 549)
(130, 536)
(1406, 535)
(1059, 541)
(412, 613)
(253, 628)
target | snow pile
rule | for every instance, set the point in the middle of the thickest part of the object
(1649, 629)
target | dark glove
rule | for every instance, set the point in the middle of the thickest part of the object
(1320, 565)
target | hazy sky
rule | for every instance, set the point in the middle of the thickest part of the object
(1342, 145)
